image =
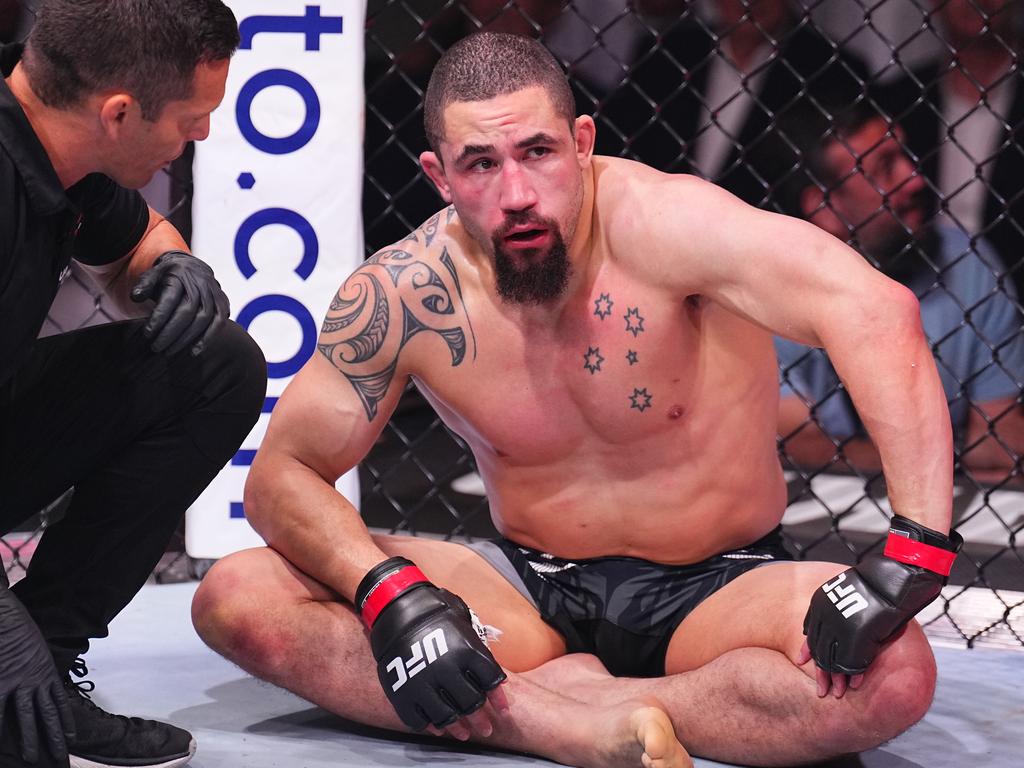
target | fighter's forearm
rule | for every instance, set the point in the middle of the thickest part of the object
(888, 368)
(304, 518)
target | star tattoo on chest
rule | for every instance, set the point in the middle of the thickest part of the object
(640, 399)
(634, 322)
(632, 357)
(592, 360)
(603, 306)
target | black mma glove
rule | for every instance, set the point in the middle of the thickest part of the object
(190, 304)
(31, 692)
(852, 615)
(431, 662)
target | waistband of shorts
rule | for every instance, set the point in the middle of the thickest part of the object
(768, 548)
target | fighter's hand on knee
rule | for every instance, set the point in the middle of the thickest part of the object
(837, 682)
(432, 664)
(854, 614)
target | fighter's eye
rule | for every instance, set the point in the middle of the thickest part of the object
(483, 164)
(538, 151)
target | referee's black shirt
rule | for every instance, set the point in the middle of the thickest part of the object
(43, 226)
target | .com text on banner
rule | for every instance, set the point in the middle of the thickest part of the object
(276, 208)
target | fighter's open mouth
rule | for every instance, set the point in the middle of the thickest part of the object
(528, 234)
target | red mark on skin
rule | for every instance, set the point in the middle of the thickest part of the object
(675, 411)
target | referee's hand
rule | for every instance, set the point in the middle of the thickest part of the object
(31, 692)
(190, 305)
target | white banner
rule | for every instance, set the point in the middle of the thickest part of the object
(276, 208)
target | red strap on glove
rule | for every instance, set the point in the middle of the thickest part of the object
(917, 553)
(387, 590)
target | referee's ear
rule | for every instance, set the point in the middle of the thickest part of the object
(434, 168)
(117, 110)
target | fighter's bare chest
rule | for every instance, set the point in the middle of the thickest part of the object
(618, 368)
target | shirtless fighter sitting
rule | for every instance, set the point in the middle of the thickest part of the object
(601, 335)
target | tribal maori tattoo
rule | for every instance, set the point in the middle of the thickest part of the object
(383, 304)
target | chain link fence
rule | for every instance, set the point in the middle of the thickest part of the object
(780, 103)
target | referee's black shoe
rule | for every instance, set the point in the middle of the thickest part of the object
(103, 740)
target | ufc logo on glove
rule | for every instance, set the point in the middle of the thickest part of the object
(424, 652)
(845, 598)
(403, 610)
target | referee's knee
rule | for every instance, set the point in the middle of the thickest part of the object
(236, 368)
(231, 389)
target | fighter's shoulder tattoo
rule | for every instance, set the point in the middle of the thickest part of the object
(397, 293)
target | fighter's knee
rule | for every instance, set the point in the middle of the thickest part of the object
(904, 680)
(228, 615)
(214, 602)
(896, 694)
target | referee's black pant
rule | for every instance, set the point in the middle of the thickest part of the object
(139, 436)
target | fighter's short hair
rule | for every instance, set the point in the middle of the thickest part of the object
(488, 64)
(149, 48)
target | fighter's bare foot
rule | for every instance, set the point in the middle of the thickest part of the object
(639, 733)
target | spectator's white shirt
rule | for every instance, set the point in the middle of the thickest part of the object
(966, 156)
(728, 98)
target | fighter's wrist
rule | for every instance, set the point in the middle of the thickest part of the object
(911, 543)
(383, 583)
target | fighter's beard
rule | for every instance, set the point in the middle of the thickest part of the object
(538, 281)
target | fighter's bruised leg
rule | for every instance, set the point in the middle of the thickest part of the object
(733, 688)
(280, 625)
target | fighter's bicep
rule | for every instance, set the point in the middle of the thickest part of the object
(364, 337)
(334, 409)
(321, 422)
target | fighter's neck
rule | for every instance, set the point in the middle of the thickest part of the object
(581, 249)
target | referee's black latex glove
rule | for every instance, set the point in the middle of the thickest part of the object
(190, 304)
(31, 692)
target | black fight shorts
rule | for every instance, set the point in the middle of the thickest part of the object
(623, 610)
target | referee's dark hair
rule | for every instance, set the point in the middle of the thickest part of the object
(149, 48)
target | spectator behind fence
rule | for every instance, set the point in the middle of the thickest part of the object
(701, 100)
(11, 13)
(858, 184)
(962, 114)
